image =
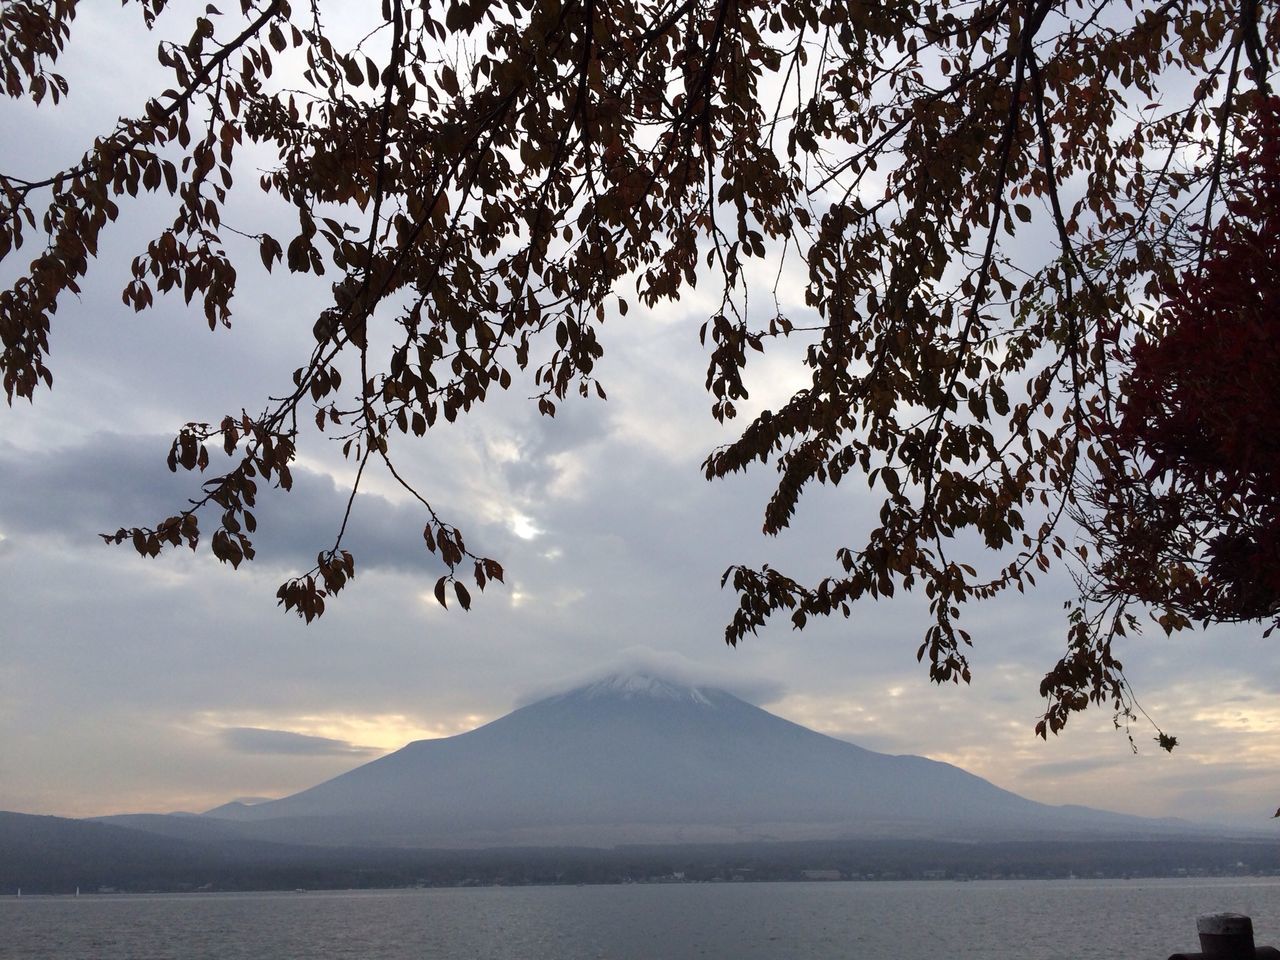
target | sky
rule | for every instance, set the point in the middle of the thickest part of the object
(132, 685)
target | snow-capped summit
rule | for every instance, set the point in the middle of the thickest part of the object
(640, 685)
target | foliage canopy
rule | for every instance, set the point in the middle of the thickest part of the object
(1038, 242)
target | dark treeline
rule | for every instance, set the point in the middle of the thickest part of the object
(50, 855)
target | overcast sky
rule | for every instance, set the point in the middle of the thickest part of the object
(176, 684)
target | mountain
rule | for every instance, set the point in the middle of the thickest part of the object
(57, 855)
(641, 759)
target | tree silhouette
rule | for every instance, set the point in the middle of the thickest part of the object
(1188, 509)
(1018, 224)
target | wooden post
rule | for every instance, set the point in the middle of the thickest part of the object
(1227, 936)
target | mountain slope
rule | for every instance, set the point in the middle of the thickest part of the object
(640, 759)
(57, 855)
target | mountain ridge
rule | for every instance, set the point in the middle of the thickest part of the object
(639, 758)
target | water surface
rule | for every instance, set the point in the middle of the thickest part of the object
(990, 920)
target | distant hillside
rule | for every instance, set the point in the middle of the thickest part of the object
(56, 855)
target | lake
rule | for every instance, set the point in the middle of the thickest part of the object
(989, 920)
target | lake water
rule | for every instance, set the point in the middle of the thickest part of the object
(982, 920)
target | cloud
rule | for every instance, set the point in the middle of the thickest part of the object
(1067, 768)
(75, 492)
(285, 742)
(1220, 774)
(669, 665)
